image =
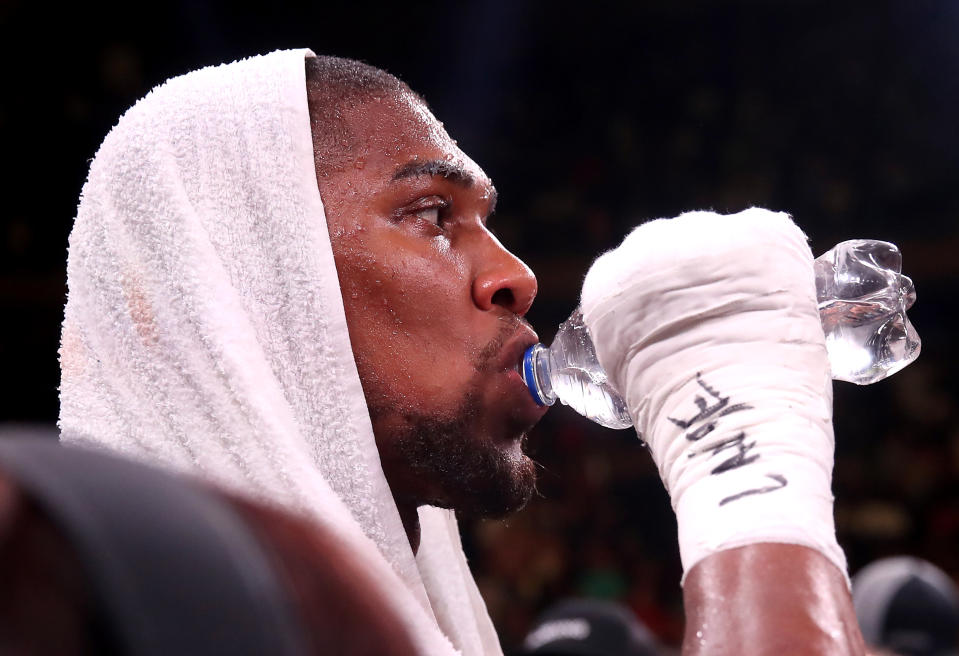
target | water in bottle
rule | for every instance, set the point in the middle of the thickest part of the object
(862, 296)
(569, 370)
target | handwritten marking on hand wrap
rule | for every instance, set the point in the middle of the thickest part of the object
(781, 480)
(706, 410)
(721, 408)
(738, 460)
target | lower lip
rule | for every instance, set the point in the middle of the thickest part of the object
(516, 379)
(514, 375)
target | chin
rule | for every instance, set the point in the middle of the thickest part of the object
(478, 481)
(457, 460)
(494, 493)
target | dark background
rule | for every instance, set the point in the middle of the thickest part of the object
(590, 118)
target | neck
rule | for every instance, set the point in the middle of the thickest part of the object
(411, 522)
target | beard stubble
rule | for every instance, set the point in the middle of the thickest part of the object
(473, 473)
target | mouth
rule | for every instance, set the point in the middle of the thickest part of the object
(500, 364)
(513, 350)
(510, 363)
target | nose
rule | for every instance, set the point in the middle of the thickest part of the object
(503, 280)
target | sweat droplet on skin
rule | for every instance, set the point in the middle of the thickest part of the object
(442, 243)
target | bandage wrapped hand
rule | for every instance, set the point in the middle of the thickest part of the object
(708, 326)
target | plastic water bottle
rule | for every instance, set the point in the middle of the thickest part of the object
(863, 298)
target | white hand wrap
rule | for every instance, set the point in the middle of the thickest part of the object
(708, 325)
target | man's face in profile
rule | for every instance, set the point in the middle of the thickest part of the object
(434, 305)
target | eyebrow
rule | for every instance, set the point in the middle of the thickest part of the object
(437, 167)
(434, 167)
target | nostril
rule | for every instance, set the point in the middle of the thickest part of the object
(504, 298)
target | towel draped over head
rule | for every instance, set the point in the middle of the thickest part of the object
(204, 328)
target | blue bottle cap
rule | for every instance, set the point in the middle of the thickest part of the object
(529, 377)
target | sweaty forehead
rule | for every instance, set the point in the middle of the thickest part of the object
(390, 131)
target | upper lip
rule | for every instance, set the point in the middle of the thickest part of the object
(516, 346)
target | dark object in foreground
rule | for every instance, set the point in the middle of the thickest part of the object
(907, 605)
(99, 555)
(588, 627)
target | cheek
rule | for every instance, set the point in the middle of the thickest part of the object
(405, 285)
(409, 308)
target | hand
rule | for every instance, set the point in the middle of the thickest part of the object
(708, 325)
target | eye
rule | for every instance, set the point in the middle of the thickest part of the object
(429, 215)
(431, 210)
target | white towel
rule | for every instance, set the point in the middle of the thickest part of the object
(204, 327)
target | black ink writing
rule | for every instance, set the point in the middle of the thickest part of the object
(711, 406)
(739, 458)
(781, 482)
(720, 407)
(701, 432)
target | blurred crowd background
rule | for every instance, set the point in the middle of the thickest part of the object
(590, 118)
